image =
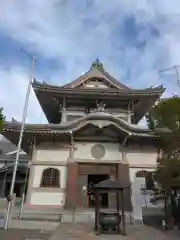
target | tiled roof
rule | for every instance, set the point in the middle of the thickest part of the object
(77, 124)
(110, 185)
(102, 71)
(6, 146)
(99, 72)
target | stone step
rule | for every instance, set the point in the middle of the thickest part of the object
(87, 218)
(42, 217)
(61, 215)
(54, 211)
(65, 218)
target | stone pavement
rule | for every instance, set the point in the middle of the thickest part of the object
(34, 225)
(19, 234)
(27, 230)
(39, 230)
(84, 232)
(43, 226)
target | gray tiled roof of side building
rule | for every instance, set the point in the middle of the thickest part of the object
(6, 146)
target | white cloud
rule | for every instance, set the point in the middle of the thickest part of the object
(76, 32)
(13, 87)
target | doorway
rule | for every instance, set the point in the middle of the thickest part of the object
(94, 179)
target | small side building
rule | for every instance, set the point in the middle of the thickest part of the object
(7, 158)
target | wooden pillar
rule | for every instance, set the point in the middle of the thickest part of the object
(71, 185)
(82, 194)
(117, 193)
(96, 209)
(123, 215)
(124, 179)
(98, 216)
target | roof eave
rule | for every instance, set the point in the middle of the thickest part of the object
(56, 89)
(75, 125)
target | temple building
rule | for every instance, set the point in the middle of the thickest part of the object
(92, 135)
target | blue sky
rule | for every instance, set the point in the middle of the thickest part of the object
(133, 39)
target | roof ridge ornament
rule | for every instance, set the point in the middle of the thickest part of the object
(97, 63)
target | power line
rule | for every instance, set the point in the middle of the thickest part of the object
(176, 72)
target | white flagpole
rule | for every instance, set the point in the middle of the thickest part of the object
(10, 198)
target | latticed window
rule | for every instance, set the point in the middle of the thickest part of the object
(50, 178)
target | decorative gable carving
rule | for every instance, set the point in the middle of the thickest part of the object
(96, 82)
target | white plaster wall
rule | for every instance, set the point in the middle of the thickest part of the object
(54, 155)
(133, 171)
(145, 198)
(83, 151)
(38, 170)
(47, 198)
(2, 165)
(143, 157)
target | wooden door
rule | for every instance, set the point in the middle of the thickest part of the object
(82, 199)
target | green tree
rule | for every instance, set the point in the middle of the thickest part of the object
(2, 118)
(164, 119)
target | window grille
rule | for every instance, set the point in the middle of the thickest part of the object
(50, 178)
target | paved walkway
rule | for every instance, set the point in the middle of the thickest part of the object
(17, 234)
(84, 232)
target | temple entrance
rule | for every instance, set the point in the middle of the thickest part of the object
(81, 174)
(94, 179)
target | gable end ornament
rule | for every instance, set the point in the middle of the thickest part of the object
(97, 64)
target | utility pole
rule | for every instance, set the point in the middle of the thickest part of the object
(176, 72)
(8, 215)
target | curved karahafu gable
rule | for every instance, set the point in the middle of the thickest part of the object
(99, 119)
(103, 121)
